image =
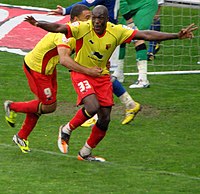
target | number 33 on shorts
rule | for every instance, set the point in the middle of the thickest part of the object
(84, 85)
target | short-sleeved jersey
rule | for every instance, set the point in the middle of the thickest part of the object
(112, 6)
(71, 44)
(94, 50)
(44, 57)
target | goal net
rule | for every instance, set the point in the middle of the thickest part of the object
(174, 56)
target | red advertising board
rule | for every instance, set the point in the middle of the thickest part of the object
(17, 34)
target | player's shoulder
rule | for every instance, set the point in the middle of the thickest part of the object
(111, 26)
(49, 37)
(117, 27)
(81, 27)
(81, 24)
(57, 36)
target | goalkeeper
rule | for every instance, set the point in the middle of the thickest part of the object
(139, 13)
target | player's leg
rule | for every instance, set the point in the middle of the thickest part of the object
(119, 70)
(141, 61)
(97, 134)
(32, 116)
(154, 46)
(21, 138)
(143, 19)
(132, 107)
(25, 107)
(103, 90)
(45, 89)
(10, 115)
(83, 114)
(91, 106)
(90, 122)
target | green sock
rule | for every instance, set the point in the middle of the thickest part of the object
(122, 52)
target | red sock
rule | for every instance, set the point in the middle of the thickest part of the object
(28, 125)
(78, 119)
(25, 107)
(96, 136)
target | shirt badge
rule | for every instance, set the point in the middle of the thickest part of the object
(108, 46)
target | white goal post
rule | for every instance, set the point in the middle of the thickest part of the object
(174, 56)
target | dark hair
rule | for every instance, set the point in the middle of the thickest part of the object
(77, 10)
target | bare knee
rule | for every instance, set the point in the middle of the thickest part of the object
(92, 110)
(91, 104)
(103, 122)
(45, 109)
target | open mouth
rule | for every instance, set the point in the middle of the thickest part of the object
(97, 28)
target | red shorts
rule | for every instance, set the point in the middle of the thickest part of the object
(85, 85)
(43, 86)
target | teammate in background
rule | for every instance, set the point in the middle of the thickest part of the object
(132, 107)
(112, 6)
(154, 46)
(40, 69)
(97, 39)
(138, 13)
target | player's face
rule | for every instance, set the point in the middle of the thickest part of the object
(85, 15)
(99, 21)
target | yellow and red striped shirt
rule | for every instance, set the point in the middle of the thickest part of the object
(44, 57)
(94, 50)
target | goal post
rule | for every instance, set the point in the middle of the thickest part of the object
(174, 56)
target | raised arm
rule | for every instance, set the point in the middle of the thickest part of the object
(66, 11)
(58, 11)
(160, 36)
(50, 27)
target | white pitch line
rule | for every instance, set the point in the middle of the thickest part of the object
(116, 164)
(38, 150)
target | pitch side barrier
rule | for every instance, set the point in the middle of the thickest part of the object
(183, 3)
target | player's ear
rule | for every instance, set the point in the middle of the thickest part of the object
(75, 19)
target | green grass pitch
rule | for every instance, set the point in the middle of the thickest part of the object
(157, 153)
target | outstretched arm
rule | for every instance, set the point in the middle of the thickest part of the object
(66, 11)
(58, 11)
(160, 36)
(50, 27)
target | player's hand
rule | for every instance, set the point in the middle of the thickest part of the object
(58, 11)
(131, 25)
(95, 71)
(187, 32)
(31, 20)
